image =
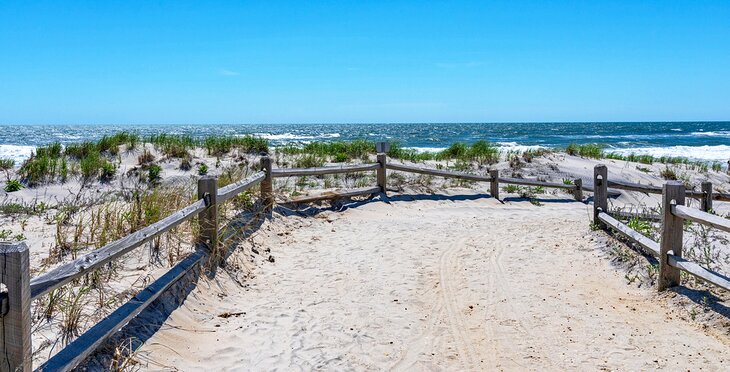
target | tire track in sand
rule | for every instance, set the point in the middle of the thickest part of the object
(448, 273)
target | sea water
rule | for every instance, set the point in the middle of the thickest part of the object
(707, 141)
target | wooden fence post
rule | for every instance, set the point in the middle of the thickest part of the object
(208, 219)
(381, 172)
(707, 196)
(671, 239)
(578, 192)
(15, 351)
(494, 183)
(600, 193)
(267, 185)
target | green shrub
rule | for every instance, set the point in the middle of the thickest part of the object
(483, 152)
(668, 174)
(91, 166)
(81, 150)
(456, 150)
(108, 171)
(398, 152)
(589, 150)
(511, 189)
(172, 146)
(341, 158)
(38, 169)
(186, 164)
(218, 146)
(13, 185)
(202, 169)
(6, 164)
(154, 172)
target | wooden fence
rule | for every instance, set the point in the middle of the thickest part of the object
(20, 290)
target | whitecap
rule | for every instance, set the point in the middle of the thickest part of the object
(426, 149)
(294, 137)
(723, 133)
(703, 153)
(16, 152)
(514, 146)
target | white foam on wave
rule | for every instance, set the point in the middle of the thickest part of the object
(294, 137)
(703, 153)
(514, 146)
(16, 152)
(426, 149)
(722, 133)
(502, 146)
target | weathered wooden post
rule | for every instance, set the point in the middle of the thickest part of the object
(208, 218)
(382, 180)
(381, 148)
(494, 183)
(578, 192)
(706, 196)
(15, 351)
(671, 239)
(267, 185)
(600, 193)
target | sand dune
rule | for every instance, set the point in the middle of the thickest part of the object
(431, 283)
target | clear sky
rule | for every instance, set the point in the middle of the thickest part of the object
(64, 62)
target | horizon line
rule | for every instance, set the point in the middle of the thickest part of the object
(385, 123)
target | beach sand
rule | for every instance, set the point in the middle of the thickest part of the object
(427, 282)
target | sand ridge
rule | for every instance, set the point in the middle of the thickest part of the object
(431, 283)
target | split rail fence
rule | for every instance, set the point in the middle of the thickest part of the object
(20, 289)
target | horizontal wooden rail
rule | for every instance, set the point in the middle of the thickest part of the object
(631, 186)
(78, 350)
(633, 235)
(320, 171)
(526, 182)
(697, 215)
(338, 194)
(650, 189)
(438, 172)
(674, 261)
(641, 215)
(63, 274)
(699, 271)
(234, 189)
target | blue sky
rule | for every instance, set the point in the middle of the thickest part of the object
(363, 61)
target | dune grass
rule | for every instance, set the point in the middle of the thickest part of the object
(344, 151)
(218, 146)
(178, 146)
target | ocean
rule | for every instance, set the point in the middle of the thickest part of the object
(706, 141)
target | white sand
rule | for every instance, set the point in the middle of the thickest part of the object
(432, 285)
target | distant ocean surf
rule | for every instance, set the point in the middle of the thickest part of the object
(706, 141)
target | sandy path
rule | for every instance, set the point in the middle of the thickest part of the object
(432, 285)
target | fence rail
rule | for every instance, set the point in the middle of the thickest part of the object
(320, 171)
(651, 189)
(438, 172)
(15, 352)
(701, 217)
(669, 249)
(67, 272)
(234, 189)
